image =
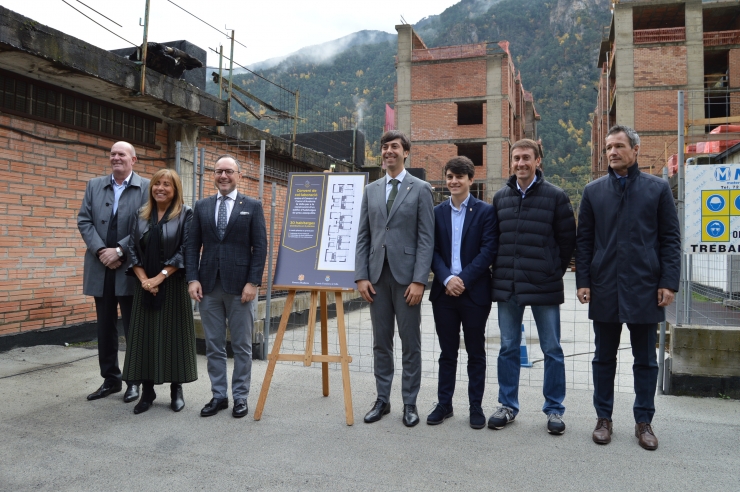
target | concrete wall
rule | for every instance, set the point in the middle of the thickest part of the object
(705, 361)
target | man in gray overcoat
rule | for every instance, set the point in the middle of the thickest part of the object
(110, 206)
(395, 246)
(628, 264)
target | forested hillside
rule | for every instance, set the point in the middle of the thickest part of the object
(554, 44)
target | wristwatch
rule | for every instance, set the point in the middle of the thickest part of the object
(165, 273)
(119, 251)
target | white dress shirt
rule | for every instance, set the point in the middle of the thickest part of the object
(523, 192)
(229, 205)
(389, 186)
(118, 189)
(458, 222)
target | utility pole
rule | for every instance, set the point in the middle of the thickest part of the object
(220, 70)
(231, 77)
(142, 83)
(295, 121)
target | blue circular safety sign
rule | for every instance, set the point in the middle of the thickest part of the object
(715, 228)
(715, 203)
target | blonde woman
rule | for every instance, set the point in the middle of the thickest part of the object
(161, 341)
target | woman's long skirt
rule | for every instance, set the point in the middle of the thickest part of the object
(161, 343)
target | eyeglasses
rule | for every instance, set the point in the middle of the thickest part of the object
(221, 172)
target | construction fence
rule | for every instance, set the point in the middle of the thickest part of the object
(713, 293)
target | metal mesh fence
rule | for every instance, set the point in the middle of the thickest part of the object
(713, 291)
(576, 341)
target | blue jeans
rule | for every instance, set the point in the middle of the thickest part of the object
(547, 319)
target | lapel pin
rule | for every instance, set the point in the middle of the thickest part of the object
(240, 203)
(471, 209)
(408, 187)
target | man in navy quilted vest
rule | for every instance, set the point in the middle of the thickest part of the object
(537, 235)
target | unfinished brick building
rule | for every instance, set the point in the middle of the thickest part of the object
(461, 100)
(655, 48)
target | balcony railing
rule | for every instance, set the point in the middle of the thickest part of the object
(678, 34)
(667, 35)
(720, 38)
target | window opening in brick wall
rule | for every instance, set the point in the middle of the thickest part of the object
(51, 104)
(663, 16)
(470, 113)
(473, 151)
(720, 19)
(716, 81)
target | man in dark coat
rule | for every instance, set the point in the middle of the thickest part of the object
(536, 240)
(109, 207)
(628, 265)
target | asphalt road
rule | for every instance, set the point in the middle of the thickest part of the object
(53, 438)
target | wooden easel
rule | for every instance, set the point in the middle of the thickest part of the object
(309, 357)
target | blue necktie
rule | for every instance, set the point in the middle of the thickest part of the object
(622, 180)
(221, 224)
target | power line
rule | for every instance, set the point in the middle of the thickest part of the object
(86, 5)
(101, 25)
(204, 22)
(253, 73)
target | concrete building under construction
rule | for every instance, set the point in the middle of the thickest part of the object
(652, 49)
(461, 100)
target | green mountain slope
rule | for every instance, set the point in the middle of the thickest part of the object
(554, 44)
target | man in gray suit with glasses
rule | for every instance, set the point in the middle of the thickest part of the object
(230, 227)
(395, 245)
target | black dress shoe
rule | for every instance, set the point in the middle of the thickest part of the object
(104, 390)
(178, 402)
(213, 406)
(410, 415)
(439, 414)
(477, 417)
(240, 408)
(376, 413)
(131, 394)
(143, 405)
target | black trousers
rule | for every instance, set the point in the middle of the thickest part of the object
(449, 313)
(107, 311)
(644, 369)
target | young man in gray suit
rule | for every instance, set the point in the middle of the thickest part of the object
(230, 227)
(395, 245)
(110, 206)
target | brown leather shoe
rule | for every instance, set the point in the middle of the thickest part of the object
(603, 431)
(646, 437)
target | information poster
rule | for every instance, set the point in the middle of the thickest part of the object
(713, 209)
(322, 215)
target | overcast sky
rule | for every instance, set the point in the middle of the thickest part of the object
(268, 28)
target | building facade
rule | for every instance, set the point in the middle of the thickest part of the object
(653, 49)
(461, 100)
(63, 103)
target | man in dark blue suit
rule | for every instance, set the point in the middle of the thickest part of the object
(230, 227)
(465, 243)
